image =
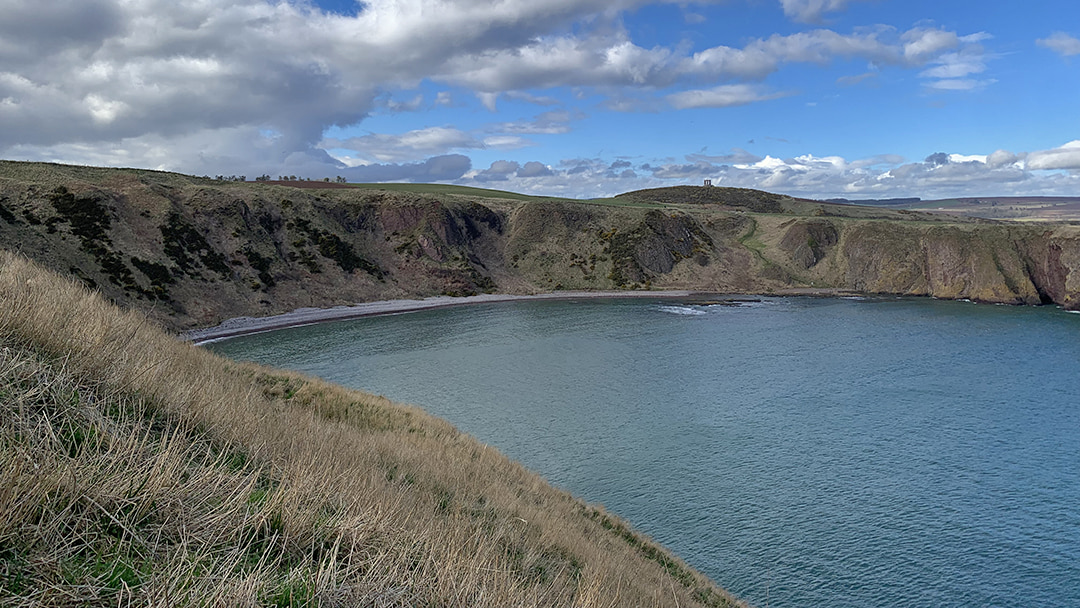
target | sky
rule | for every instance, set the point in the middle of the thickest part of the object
(581, 98)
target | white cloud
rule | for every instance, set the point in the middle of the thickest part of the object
(506, 142)
(193, 85)
(881, 160)
(941, 175)
(922, 44)
(546, 123)
(768, 163)
(499, 171)
(954, 70)
(811, 11)
(409, 105)
(1061, 43)
(614, 60)
(960, 84)
(1002, 158)
(968, 158)
(761, 57)
(561, 61)
(535, 169)
(955, 65)
(419, 143)
(1065, 157)
(489, 99)
(724, 96)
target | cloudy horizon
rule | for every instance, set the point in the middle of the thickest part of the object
(577, 98)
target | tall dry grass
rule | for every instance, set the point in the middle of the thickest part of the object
(139, 470)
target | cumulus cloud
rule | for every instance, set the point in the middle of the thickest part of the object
(408, 105)
(106, 70)
(435, 169)
(102, 72)
(418, 143)
(534, 169)
(939, 175)
(252, 85)
(952, 70)
(429, 141)
(1065, 157)
(499, 171)
(614, 60)
(1061, 43)
(937, 159)
(924, 43)
(1002, 158)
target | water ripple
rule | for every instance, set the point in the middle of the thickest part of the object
(802, 452)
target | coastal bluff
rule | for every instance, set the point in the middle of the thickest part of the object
(192, 252)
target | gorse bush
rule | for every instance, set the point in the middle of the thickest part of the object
(139, 470)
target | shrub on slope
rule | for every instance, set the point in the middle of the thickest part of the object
(136, 469)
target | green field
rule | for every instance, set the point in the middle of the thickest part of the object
(616, 201)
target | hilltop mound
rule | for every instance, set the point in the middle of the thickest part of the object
(751, 200)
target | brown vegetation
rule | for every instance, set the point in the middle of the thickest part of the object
(139, 470)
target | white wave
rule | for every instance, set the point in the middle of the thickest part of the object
(740, 304)
(681, 310)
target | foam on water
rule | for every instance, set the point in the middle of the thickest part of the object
(681, 310)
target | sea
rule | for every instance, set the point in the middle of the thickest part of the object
(842, 452)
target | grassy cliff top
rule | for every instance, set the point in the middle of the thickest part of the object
(683, 197)
(136, 469)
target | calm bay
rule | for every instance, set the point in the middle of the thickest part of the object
(799, 451)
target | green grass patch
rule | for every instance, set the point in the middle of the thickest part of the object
(618, 201)
(453, 189)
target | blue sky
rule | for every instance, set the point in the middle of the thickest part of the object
(583, 98)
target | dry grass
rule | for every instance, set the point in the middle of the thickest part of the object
(139, 470)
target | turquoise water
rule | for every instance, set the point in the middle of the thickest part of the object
(801, 452)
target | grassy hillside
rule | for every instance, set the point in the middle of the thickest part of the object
(1016, 208)
(452, 189)
(136, 469)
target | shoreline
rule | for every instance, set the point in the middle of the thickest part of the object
(242, 326)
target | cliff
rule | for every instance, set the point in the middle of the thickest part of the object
(192, 252)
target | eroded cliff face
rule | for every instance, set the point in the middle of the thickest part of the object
(987, 262)
(193, 252)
